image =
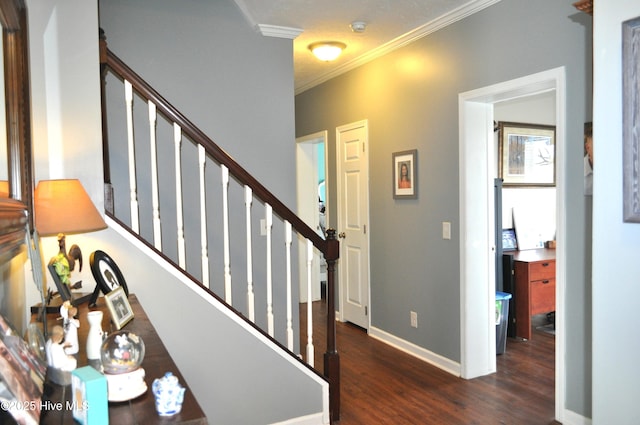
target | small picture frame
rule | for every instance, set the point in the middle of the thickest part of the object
(63, 290)
(405, 174)
(119, 307)
(527, 154)
(106, 272)
(509, 240)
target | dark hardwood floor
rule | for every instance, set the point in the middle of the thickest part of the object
(383, 385)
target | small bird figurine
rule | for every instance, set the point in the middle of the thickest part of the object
(74, 252)
(65, 263)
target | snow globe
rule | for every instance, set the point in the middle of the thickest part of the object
(122, 353)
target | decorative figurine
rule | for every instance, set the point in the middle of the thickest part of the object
(71, 325)
(64, 262)
(56, 356)
(169, 394)
(95, 335)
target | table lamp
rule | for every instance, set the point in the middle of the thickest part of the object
(63, 207)
(4, 188)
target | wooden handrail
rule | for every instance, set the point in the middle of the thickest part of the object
(330, 248)
(217, 153)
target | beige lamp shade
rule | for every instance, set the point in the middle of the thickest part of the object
(63, 206)
(4, 189)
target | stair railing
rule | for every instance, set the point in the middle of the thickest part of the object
(208, 152)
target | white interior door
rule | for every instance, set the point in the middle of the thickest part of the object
(353, 219)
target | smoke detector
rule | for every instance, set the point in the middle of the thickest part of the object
(358, 26)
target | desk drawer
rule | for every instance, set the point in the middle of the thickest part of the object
(542, 270)
(543, 296)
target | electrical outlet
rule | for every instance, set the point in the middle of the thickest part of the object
(414, 319)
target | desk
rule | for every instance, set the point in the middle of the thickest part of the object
(157, 361)
(535, 286)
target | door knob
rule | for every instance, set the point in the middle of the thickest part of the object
(342, 235)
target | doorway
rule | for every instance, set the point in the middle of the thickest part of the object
(311, 184)
(477, 264)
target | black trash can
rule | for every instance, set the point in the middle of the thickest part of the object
(502, 319)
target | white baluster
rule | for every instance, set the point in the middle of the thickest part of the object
(203, 217)
(133, 195)
(248, 198)
(225, 225)
(288, 239)
(310, 351)
(155, 201)
(177, 139)
(268, 213)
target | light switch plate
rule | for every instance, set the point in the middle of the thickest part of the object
(446, 230)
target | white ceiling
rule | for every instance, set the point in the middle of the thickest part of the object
(390, 24)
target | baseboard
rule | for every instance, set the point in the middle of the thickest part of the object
(315, 419)
(573, 418)
(421, 353)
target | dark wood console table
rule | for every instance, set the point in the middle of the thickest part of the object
(535, 286)
(157, 362)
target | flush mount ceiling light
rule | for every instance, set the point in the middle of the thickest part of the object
(327, 50)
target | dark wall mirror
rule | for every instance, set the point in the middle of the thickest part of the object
(16, 180)
(4, 159)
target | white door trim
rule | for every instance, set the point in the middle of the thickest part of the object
(307, 205)
(477, 248)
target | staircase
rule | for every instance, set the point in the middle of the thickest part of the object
(195, 207)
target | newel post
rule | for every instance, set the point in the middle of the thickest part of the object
(331, 357)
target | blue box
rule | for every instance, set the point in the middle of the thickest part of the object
(89, 400)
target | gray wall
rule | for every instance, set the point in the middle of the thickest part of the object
(410, 98)
(616, 293)
(236, 86)
(230, 81)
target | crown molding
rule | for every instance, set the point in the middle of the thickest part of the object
(278, 31)
(401, 41)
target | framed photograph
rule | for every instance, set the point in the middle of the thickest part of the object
(119, 307)
(588, 158)
(509, 240)
(527, 154)
(630, 120)
(63, 290)
(106, 273)
(405, 174)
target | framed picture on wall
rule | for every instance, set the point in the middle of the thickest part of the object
(405, 173)
(527, 154)
(630, 119)
(588, 158)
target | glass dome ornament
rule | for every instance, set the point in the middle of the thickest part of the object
(122, 354)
